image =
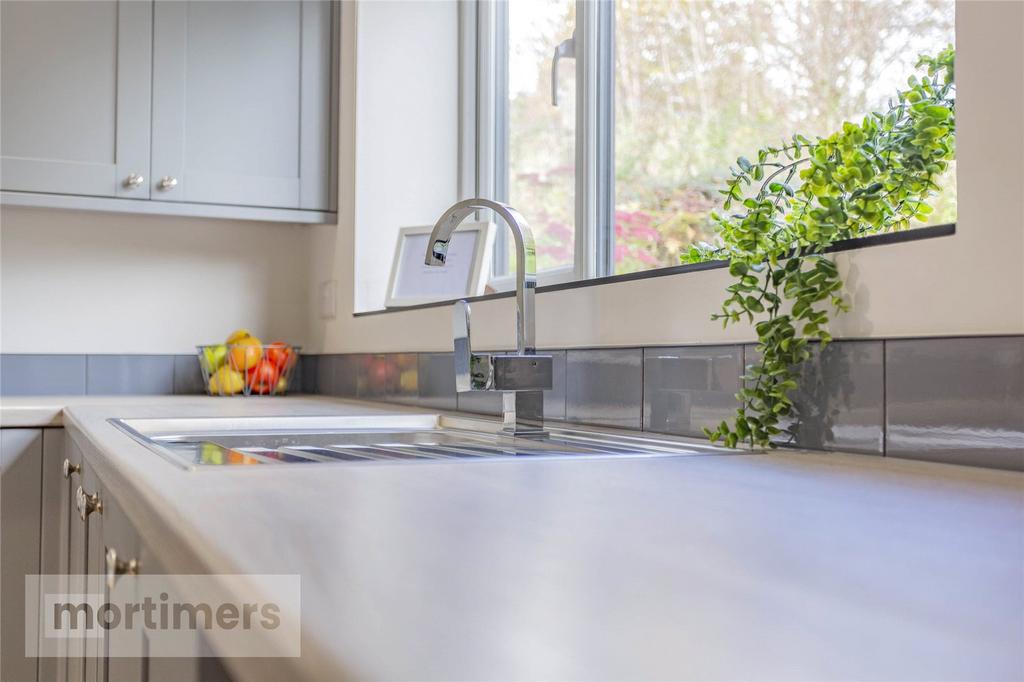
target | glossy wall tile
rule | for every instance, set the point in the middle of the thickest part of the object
(436, 381)
(29, 374)
(336, 375)
(130, 374)
(308, 368)
(188, 377)
(957, 400)
(690, 388)
(387, 376)
(839, 401)
(604, 387)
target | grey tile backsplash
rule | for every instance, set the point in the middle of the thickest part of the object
(840, 398)
(42, 374)
(435, 379)
(188, 378)
(391, 377)
(335, 375)
(605, 387)
(130, 374)
(690, 388)
(957, 400)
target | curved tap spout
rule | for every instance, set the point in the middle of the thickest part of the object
(526, 259)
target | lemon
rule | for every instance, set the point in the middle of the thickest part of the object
(226, 381)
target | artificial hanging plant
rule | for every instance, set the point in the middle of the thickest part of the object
(797, 200)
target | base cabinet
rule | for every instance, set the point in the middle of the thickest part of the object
(21, 458)
(60, 519)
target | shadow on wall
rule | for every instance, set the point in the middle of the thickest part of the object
(81, 282)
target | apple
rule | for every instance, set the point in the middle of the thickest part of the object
(262, 377)
(214, 357)
(281, 355)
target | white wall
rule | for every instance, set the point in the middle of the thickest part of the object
(970, 283)
(83, 282)
(407, 121)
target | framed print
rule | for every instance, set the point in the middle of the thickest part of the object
(464, 273)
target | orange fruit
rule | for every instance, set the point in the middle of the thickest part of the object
(245, 353)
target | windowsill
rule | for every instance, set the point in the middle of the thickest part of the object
(912, 235)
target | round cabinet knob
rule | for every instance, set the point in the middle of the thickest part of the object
(86, 503)
(133, 181)
(167, 183)
(68, 468)
(117, 566)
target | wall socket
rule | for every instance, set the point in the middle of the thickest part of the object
(328, 299)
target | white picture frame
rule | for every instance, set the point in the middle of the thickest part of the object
(465, 273)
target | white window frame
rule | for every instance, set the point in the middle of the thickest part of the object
(483, 159)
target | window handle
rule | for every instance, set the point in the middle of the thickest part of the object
(565, 50)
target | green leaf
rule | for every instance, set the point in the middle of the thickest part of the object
(738, 268)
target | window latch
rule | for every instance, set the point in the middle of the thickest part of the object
(565, 50)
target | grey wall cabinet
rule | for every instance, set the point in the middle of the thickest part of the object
(241, 103)
(75, 96)
(191, 107)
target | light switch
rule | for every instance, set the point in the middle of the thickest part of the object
(328, 302)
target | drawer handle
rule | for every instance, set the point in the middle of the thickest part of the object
(87, 504)
(70, 469)
(117, 566)
(167, 183)
(134, 181)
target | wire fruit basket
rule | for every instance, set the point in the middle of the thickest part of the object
(247, 367)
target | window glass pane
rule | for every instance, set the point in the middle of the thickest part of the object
(700, 83)
(541, 137)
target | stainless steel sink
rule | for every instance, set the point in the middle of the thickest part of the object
(213, 442)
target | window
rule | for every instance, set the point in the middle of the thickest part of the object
(615, 121)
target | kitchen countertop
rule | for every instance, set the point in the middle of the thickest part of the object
(789, 565)
(38, 411)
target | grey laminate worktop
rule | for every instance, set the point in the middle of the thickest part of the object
(787, 565)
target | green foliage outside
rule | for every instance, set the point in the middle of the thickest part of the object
(697, 83)
(796, 199)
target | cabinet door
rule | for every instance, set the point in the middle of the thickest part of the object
(55, 502)
(241, 102)
(75, 96)
(161, 668)
(78, 567)
(122, 655)
(70, 472)
(21, 457)
(93, 562)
